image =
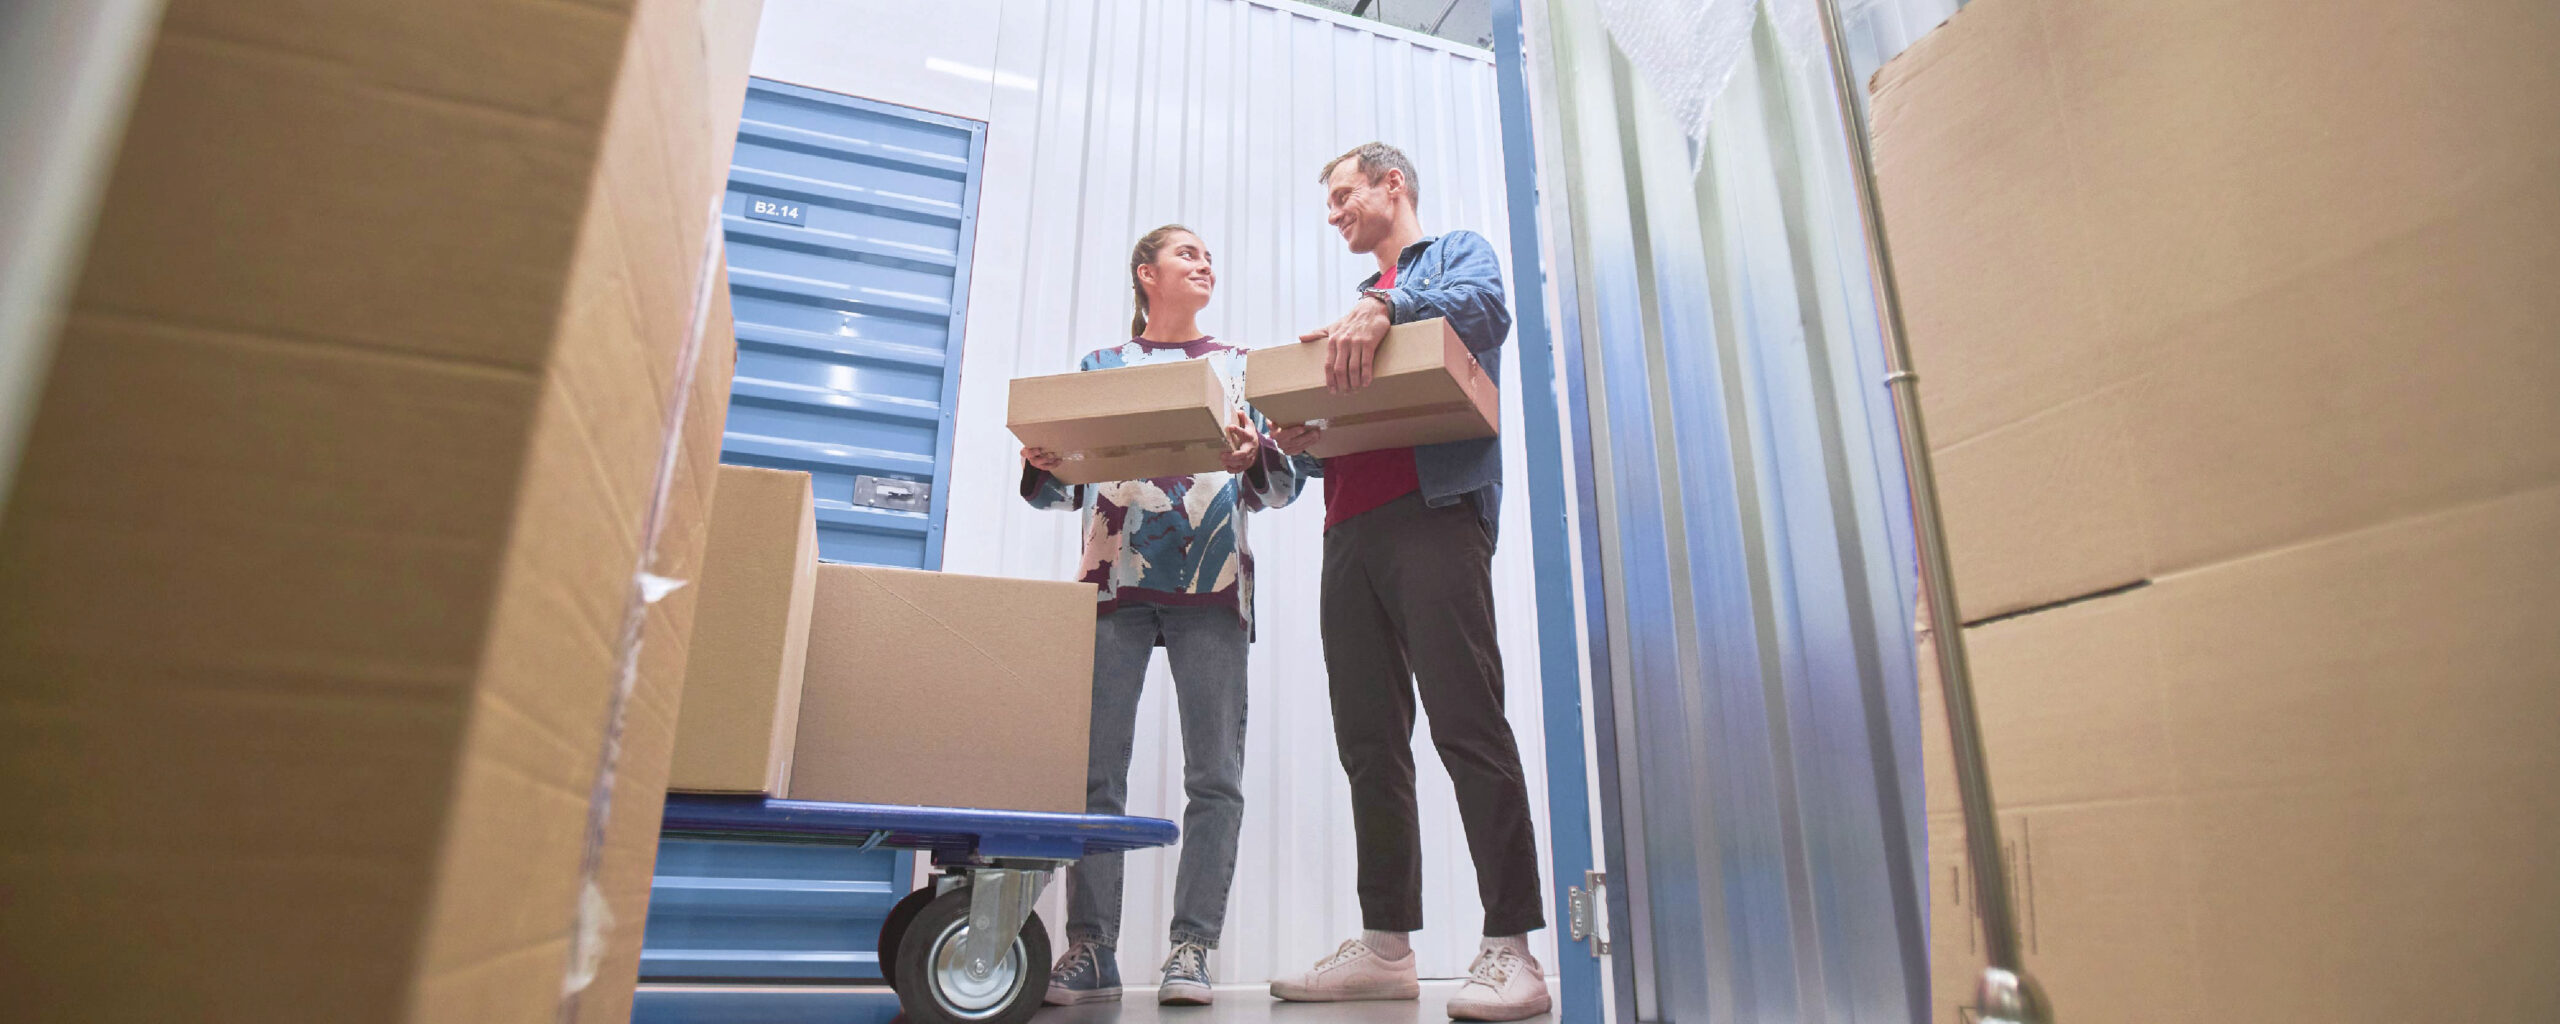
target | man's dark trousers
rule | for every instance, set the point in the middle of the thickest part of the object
(1408, 605)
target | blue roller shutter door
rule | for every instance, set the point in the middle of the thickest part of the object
(849, 225)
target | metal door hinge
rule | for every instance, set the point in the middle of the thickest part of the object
(1582, 904)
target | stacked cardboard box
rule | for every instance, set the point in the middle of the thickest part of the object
(2235, 327)
(319, 575)
(742, 692)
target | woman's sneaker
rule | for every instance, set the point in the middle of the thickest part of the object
(1354, 972)
(1186, 976)
(1089, 973)
(1502, 986)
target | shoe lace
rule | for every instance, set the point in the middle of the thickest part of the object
(1082, 956)
(1351, 950)
(1494, 967)
(1189, 960)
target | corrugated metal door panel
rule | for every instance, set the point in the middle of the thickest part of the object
(724, 911)
(1759, 762)
(849, 225)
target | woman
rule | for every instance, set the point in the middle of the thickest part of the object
(1170, 559)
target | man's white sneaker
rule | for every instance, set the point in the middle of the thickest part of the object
(1353, 973)
(1502, 986)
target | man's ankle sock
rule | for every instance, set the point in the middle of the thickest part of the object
(1392, 945)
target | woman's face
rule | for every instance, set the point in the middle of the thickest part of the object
(1181, 275)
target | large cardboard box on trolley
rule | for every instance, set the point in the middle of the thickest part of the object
(751, 642)
(1428, 389)
(2235, 342)
(318, 574)
(1126, 423)
(938, 689)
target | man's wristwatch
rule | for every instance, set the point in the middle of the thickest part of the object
(1384, 297)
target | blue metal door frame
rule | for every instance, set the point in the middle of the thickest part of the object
(1559, 656)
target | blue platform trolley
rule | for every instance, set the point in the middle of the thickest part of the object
(969, 948)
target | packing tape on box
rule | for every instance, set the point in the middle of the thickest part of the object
(1391, 415)
(594, 923)
(1124, 451)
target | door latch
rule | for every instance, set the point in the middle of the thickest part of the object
(1582, 907)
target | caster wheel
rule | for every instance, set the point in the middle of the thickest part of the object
(934, 984)
(894, 928)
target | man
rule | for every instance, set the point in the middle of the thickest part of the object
(1408, 605)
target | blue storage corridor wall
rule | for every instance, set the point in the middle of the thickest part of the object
(848, 225)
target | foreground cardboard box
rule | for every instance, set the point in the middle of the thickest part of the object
(627, 864)
(2184, 281)
(2244, 421)
(317, 576)
(1129, 423)
(2308, 785)
(917, 680)
(751, 637)
(1429, 390)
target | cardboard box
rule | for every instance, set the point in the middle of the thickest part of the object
(318, 568)
(937, 689)
(2243, 421)
(2184, 281)
(751, 638)
(1128, 423)
(627, 864)
(2307, 785)
(1428, 390)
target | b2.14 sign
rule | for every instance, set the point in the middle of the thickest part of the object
(778, 211)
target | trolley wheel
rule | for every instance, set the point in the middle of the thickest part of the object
(894, 928)
(934, 986)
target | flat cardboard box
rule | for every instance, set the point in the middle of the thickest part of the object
(916, 679)
(1428, 390)
(317, 568)
(2304, 785)
(627, 865)
(1126, 423)
(751, 637)
(2183, 281)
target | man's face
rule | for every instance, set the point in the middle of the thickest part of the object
(1363, 211)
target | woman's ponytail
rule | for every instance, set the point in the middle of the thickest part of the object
(1144, 254)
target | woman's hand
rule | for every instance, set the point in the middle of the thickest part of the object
(1043, 459)
(1244, 444)
(1294, 441)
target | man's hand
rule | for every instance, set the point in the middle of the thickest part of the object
(1351, 345)
(1294, 441)
(1043, 459)
(1244, 444)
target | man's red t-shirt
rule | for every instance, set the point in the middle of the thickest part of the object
(1366, 481)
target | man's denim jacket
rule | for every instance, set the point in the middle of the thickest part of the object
(1456, 276)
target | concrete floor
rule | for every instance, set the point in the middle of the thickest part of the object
(1254, 1005)
(1236, 1005)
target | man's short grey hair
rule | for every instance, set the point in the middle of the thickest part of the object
(1376, 159)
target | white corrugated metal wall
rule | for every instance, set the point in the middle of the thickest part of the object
(1218, 114)
(1106, 120)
